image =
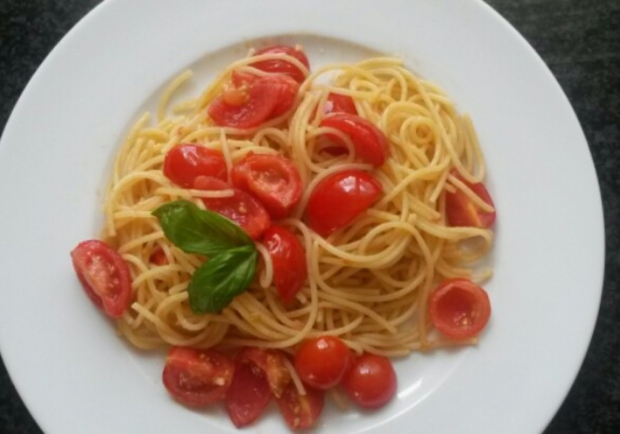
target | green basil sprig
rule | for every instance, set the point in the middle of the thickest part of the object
(231, 266)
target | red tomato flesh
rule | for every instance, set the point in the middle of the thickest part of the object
(197, 378)
(337, 103)
(301, 411)
(289, 261)
(248, 395)
(371, 381)
(322, 362)
(241, 208)
(338, 199)
(104, 275)
(461, 211)
(158, 257)
(184, 163)
(459, 308)
(370, 144)
(272, 364)
(273, 179)
(282, 66)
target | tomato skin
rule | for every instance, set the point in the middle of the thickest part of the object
(104, 275)
(371, 145)
(282, 66)
(248, 395)
(197, 378)
(461, 211)
(185, 162)
(289, 261)
(241, 208)
(322, 362)
(371, 381)
(158, 257)
(337, 103)
(301, 411)
(272, 364)
(272, 179)
(339, 198)
(459, 308)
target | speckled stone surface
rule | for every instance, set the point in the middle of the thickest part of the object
(579, 40)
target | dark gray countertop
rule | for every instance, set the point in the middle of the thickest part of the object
(578, 39)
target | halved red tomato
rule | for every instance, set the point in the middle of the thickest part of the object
(248, 394)
(322, 362)
(338, 199)
(241, 208)
(271, 363)
(337, 103)
(371, 381)
(273, 179)
(104, 275)
(247, 101)
(459, 308)
(197, 378)
(282, 66)
(461, 211)
(301, 411)
(371, 145)
(184, 163)
(289, 261)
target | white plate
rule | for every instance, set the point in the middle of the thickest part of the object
(77, 376)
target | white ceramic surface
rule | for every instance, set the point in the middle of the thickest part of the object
(76, 376)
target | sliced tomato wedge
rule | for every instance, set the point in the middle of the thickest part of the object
(248, 395)
(459, 308)
(104, 275)
(271, 363)
(241, 208)
(273, 179)
(461, 211)
(284, 86)
(371, 145)
(197, 378)
(371, 381)
(338, 199)
(184, 163)
(282, 66)
(301, 411)
(289, 261)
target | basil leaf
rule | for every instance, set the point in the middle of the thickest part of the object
(194, 230)
(222, 278)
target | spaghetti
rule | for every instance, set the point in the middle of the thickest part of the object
(368, 283)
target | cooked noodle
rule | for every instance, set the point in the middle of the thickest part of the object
(369, 282)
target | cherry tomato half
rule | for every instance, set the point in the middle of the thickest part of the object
(104, 275)
(371, 145)
(251, 102)
(272, 364)
(337, 103)
(273, 179)
(197, 378)
(338, 199)
(241, 208)
(461, 211)
(371, 381)
(459, 308)
(289, 261)
(184, 163)
(282, 66)
(248, 395)
(301, 411)
(322, 362)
